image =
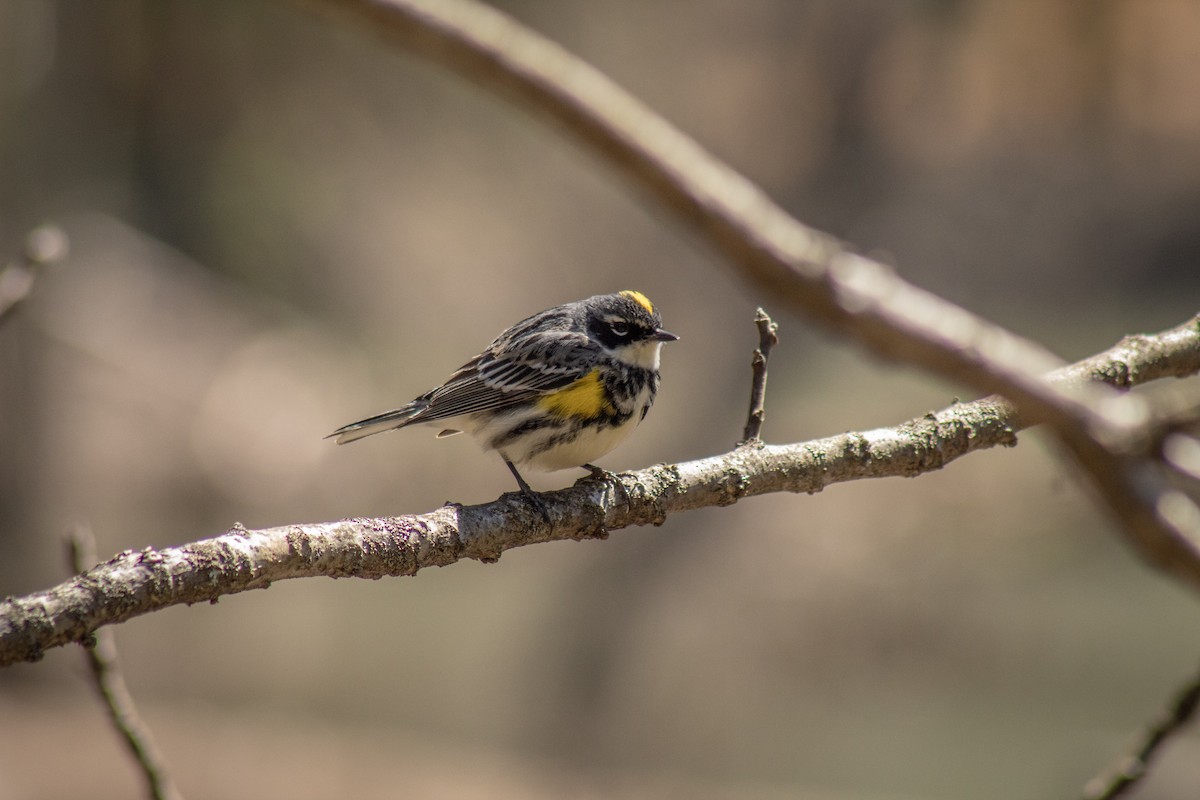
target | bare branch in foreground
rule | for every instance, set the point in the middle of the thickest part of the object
(137, 582)
(768, 337)
(43, 246)
(110, 683)
(812, 272)
(1128, 770)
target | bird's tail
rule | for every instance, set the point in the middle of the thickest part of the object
(389, 420)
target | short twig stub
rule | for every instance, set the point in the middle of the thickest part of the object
(768, 337)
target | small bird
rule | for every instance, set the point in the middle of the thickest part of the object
(557, 390)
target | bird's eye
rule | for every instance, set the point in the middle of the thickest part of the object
(620, 328)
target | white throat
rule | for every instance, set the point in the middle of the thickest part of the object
(643, 354)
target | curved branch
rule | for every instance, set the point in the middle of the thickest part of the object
(812, 272)
(138, 582)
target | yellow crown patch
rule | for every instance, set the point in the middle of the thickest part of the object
(640, 299)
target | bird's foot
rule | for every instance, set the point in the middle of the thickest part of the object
(600, 473)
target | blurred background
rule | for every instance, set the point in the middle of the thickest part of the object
(280, 225)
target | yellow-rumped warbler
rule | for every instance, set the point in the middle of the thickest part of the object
(556, 390)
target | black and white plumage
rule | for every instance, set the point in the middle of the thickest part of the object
(558, 389)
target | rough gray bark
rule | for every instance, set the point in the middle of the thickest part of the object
(138, 582)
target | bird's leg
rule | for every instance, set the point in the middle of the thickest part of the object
(533, 497)
(526, 489)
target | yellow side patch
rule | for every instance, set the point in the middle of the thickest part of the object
(583, 398)
(640, 299)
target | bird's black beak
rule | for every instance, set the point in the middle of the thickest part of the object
(663, 336)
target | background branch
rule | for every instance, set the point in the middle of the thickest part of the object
(134, 583)
(812, 272)
(1128, 770)
(105, 668)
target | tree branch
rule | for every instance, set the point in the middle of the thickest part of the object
(1128, 770)
(110, 683)
(768, 337)
(815, 274)
(138, 582)
(811, 271)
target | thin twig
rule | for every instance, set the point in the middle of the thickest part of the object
(43, 246)
(134, 583)
(1127, 770)
(101, 652)
(768, 337)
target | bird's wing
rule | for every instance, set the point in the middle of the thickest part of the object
(506, 375)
